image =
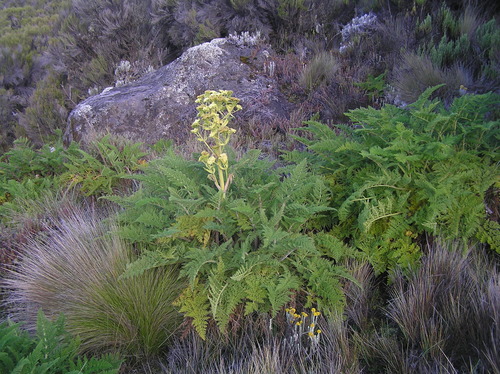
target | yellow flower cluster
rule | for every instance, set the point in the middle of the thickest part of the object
(215, 110)
(304, 323)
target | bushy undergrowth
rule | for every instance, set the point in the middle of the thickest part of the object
(27, 172)
(54, 54)
(253, 247)
(397, 174)
(454, 293)
(51, 350)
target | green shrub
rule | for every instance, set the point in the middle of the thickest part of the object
(46, 113)
(52, 350)
(255, 246)
(74, 268)
(409, 172)
(252, 248)
(101, 169)
(374, 86)
(28, 173)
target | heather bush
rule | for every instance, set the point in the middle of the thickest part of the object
(26, 30)
(46, 112)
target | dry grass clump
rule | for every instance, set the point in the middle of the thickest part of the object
(416, 73)
(74, 268)
(261, 345)
(321, 69)
(360, 296)
(448, 311)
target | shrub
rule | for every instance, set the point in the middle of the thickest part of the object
(250, 245)
(46, 112)
(400, 173)
(452, 50)
(75, 268)
(52, 350)
(102, 169)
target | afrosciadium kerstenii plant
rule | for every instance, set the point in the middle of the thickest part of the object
(75, 269)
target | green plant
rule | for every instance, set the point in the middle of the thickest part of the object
(254, 248)
(52, 350)
(26, 172)
(319, 70)
(211, 128)
(46, 113)
(101, 169)
(409, 172)
(76, 270)
(374, 86)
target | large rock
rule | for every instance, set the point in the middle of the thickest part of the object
(160, 105)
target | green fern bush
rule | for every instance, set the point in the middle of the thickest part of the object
(29, 173)
(51, 350)
(255, 248)
(74, 268)
(100, 169)
(398, 174)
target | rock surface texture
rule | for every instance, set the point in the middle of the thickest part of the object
(160, 105)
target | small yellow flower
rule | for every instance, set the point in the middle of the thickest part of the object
(311, 334)
(313, 310)
(312, 325)
(318, 331)
(316, 314)
(304, 314)
(298, 323)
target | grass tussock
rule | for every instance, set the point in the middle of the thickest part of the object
(75, 269)
(321, 69)
(261, 345)
(448, 309)
(419, 72)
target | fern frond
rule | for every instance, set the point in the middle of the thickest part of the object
(150, 260)
(331, 246)
(255, 292)
(197, 258)
(193, 302)
(279, 292)
(489, 232)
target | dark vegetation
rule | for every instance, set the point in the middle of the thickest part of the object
(382, 231)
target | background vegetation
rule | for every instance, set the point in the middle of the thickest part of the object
(370, 246)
